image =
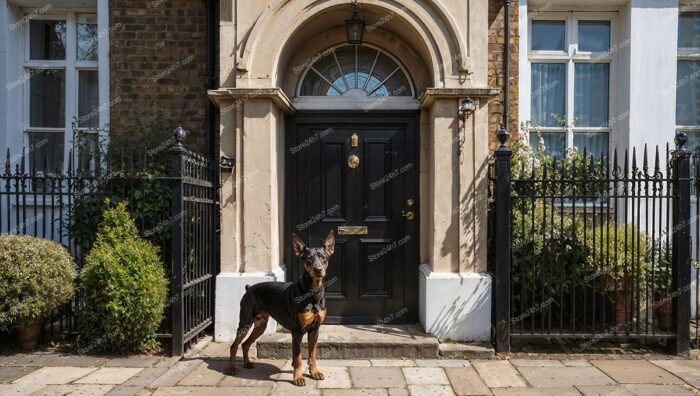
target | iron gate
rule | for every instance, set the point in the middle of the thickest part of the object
(194, 248)
(592, 248)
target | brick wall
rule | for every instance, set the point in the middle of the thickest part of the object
(157, 64)
(496, 40)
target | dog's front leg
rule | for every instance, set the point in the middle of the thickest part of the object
(313, 370)
(296, 358)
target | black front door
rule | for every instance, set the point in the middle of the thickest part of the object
(357, 174)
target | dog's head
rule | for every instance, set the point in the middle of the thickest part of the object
(315, 259)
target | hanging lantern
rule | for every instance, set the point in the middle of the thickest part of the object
(355, 26)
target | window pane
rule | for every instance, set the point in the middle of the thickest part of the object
(693, 144)
(88, 99)
(47, 99)
(688, 93)
(548, 36)
(88, 155)
(45, 151)
(594, 143)
(593, 36)
(87, 37)
(47, 40)
(548, 94)
(689, 30)
(554, 143)
(591, 99)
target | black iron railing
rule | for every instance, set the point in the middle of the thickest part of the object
(593, 249)
(174, 206)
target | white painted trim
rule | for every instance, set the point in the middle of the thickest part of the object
(355, 103)
(103, 66)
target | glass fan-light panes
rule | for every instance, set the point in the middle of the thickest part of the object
(357, 71)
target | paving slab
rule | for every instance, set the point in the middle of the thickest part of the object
(126, 390)
(32, 360)
(145, 376)
(547, 377)
(392, 363)
(498, 374)
(466, 382)
(343, 363)
(687, 370)
(398, 392)
(175, 374)
(557, 391)
(210, 391)
(536, 363)
(284, 386)
(19, 389)
(335, 378)
(604, 390)
(442, 363)
(635, 372)
(54, 375)
(658, 390)
(208, 373)
(109, 375)
(133, 361)
(358, 392)
(74, 390)
(11, 373)
(377, 377)
(437, 390)
(77, 361)
(425, 376)
(216, 350)
(264, 374)
(576, 363)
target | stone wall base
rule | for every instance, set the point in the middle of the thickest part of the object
(230, 288)
(455, 307)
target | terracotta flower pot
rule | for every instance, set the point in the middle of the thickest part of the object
(29, 337)
(663, 315)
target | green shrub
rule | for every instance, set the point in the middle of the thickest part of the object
(123, 286)
(36, 276)
(617, 253)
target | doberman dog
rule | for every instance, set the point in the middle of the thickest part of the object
(298, 306)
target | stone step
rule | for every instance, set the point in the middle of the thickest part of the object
(356, 342)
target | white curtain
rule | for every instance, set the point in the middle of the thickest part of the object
(548, 93)
(591, 97)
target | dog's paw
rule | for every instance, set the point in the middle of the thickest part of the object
(248, 364)
(299, 380)
(232, 370)
(317, 375)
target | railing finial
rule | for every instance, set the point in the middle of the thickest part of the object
(179, 134)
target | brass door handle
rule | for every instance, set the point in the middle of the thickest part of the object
(408, 215)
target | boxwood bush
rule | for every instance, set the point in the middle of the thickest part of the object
(123, 288)
(36, 276)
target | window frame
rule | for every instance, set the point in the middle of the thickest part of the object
(571, 57)
(686, 54)
(71, 67)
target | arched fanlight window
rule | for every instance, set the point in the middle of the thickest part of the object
(355, 70)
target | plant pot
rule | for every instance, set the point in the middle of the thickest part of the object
(663, 316)
(622, 300)
(29, 337)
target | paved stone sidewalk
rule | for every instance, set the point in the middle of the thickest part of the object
(204, 373)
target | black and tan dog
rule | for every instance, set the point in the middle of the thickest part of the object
(298, 306)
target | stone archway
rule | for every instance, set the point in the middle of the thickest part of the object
(444, 48)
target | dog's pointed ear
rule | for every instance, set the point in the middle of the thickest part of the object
(299, 245)
(329, 243)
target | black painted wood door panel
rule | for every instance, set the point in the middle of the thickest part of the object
(371, 277)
